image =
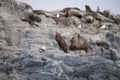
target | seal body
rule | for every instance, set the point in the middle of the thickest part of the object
(88, 9)
(30, 16)
(77, 46)
(61, 42)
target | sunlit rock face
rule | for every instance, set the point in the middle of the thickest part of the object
(31, 52)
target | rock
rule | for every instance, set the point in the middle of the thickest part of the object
(31, 53)
(113, 39)
(46, 21)
(4, 77)
(109, 54)
(80, 69)
(103, 18)
(79, 72)
(2, 34)
(3, 42)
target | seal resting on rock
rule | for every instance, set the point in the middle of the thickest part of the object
(65, 10)
(42, 12)
(61, 42)
(71, 11)
(77, 46)
(90, 19)
(88, 9)
(30, 17)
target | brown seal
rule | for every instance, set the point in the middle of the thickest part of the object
(39, 12)
(61, 42)
(64, 10)
(42, 12)
(30, 17)
(77, 46)
(88, 9)
(67, 10)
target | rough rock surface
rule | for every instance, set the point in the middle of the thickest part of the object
(32, 53)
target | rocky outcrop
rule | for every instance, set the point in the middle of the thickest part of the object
(32, 53)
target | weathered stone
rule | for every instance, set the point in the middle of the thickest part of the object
(31, 52)
(3, 42)
(2, 34)
(114, 40)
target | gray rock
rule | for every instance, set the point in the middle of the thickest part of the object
(62, 69)
(114, 40)
(3, 42)
(2, 34)
(31, 52)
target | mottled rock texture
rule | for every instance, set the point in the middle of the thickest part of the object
(32, 53)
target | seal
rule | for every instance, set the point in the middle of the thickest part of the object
(64, 10)
(30, 17)
(77, 46)
(88, 9)
(89, 18)
(42, 12)
(61, 42)
(70, 11)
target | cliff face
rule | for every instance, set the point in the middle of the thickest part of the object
(29, 51)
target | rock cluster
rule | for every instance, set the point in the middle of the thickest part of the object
(30, 52)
